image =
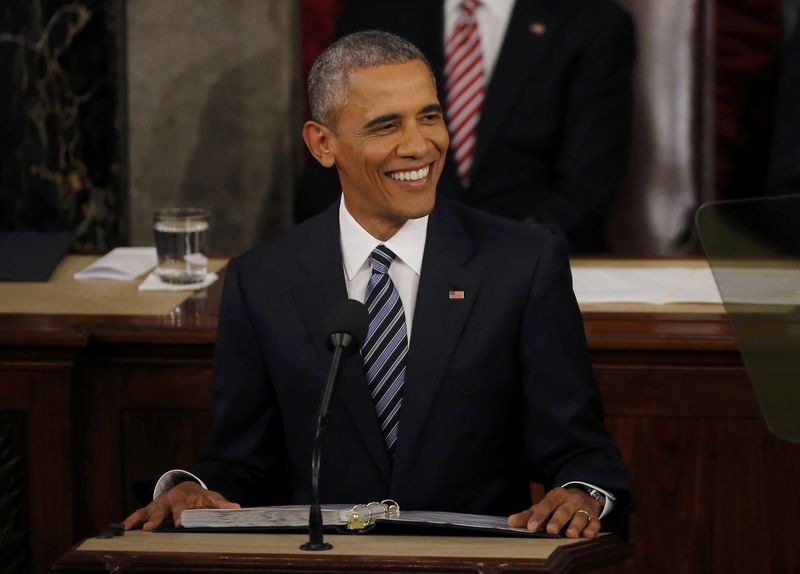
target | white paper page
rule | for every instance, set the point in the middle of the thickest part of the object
(260, 516)
(760, 286)
(654, 285)
(121, 264)
(698, 286)
(454, 519)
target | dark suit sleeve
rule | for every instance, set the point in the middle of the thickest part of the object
(784, 168)
(244, 458)
(564, 433)
(592, 156)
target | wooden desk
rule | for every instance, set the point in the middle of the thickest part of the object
(161, 552)
(78, 385)
(89, 403)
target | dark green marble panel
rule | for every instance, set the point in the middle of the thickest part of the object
(60, 134)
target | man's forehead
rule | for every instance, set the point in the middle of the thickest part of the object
(409, 84)
(390, 76)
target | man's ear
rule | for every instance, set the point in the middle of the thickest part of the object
(318, 140)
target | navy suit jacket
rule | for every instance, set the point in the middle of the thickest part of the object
(553, 135)
(784, 169)
(499, 389)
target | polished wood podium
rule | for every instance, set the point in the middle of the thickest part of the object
(101, 386)
(219, 553)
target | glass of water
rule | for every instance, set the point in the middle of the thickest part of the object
(181, 243)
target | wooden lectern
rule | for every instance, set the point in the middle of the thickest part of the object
(198, 553)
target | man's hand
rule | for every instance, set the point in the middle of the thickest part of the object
(170, 505)
(560, 507)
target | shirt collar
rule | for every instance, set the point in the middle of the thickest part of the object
(357, 244)
(494, 7)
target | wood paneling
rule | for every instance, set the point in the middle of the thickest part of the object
(140, 417)
(713, 494)
(39, 396)
(13, 495)
(157, 440)
(676, 391)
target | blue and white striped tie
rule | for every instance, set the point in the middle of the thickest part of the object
(384, 352)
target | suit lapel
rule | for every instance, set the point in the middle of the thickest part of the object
(519, 55)
(438, 323)
(316, 294)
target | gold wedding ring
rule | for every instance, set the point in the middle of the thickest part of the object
(588, 516)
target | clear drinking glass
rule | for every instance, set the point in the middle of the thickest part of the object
(181, 235)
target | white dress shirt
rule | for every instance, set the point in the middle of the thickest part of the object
(408, 244)
(357, 245)
(492, 17)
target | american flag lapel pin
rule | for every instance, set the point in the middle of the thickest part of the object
(455, 294)
(537, 29)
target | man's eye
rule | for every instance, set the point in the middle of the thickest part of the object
(385, 127)
(430, 118)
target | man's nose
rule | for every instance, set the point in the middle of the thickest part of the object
(413, 144)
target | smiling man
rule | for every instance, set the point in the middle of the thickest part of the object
(474, 379)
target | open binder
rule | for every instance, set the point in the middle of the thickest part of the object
(384, 516)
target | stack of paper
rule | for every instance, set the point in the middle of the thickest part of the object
(260, 516)
(654, 285)
(121, 264)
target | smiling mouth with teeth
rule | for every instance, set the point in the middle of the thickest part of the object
(412, 175)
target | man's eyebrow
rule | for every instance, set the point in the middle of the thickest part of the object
(431, 108)
(381, 120)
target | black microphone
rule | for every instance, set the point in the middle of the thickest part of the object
(347, 324)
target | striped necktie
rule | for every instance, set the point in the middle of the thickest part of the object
(385, 349)
(464, 80)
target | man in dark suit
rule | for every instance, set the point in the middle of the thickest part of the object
(488, 385)
(554, 128)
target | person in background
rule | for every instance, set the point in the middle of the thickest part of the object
(538, 102)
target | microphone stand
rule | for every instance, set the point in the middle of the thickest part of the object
(340, 342)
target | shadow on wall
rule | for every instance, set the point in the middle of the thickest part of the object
(240, 166)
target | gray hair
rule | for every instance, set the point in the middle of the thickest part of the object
(328, 80)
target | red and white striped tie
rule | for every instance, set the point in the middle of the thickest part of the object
(464, 79)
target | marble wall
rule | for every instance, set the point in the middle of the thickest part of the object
(60, 139)
(214, 114)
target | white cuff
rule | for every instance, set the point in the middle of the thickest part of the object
(609, 497)
(173, 477)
